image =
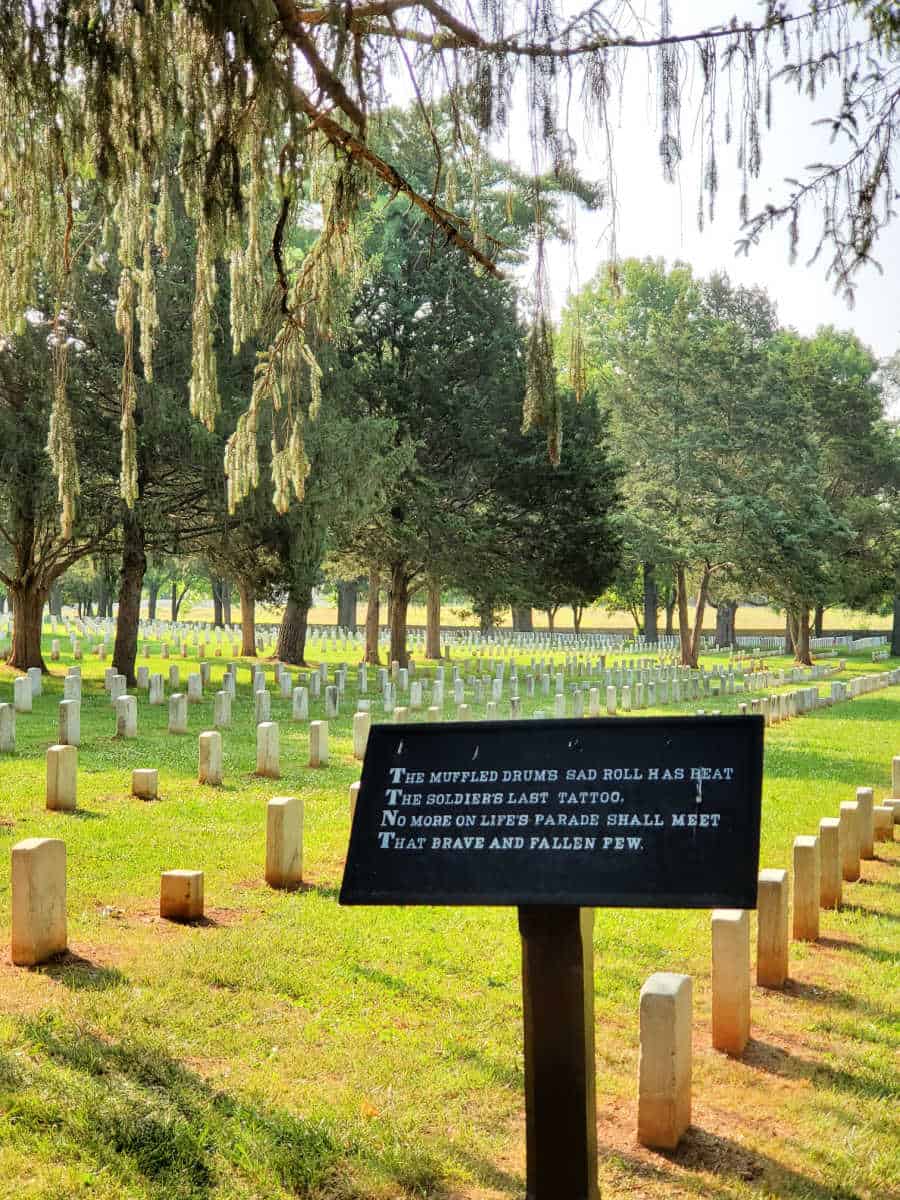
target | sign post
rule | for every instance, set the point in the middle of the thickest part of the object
(557, 818)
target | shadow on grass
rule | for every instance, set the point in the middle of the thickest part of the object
(131, 1108)
(81, 974)
(854, 1079)
(703, 1151)
(873, 952)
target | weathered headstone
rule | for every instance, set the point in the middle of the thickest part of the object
(267, 752)
(38, 887)
(807, 885)
(62, 778)
(730, 980)
(830, 862)
(178, 713)
(850, 841)
(772, 929)
(284, 842)
(865, 799)
(22, 694)
(7, 729)
(209, 769)
(126, 717)
(318, 743)
(664, 1063)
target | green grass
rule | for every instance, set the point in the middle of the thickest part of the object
(292, 1048)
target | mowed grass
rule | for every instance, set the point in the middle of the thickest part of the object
(291, 1048)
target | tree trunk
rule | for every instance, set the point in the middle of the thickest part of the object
(819, 621)
(725, 611)
(804, 655)
(522, 620)
(895, 631)
(399, 609)
(790, 632)
(55, 600)
(174, 603)
(699, 611)
(2, 603)
(670, 611)
(217, 602)
(348, 597)
(27, 602)
(684, 632)
(248, 619)
(152, 596)
(551, 618)
(433, 621)
(651, 603)
(226, 601)
(372, 617)
(131, 581)
(577, 614)
(291, 646)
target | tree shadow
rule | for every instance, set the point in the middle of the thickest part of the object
(81, 974)
(87, 814)
(856, 1080)
(703, 1151)
(873, 952)
(142, 1110)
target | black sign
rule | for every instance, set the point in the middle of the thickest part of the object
(650, 812)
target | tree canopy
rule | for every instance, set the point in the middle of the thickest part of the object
(96, 95)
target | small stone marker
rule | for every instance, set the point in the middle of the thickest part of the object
(210, 758)
(69, 723)
(361, 724)
(865, 799)
(354, 796)
(62, 775)
(611, 701)
(118, 686)
(157, 695)
(181, 895)
(7, 729)
(730, 980)
(174, 677)
(807, 886)
(284, 842)
(267, 755)
(195, 688)
(850, 841)
(143, 678)
(318, 742)
(830, 860)
(664, 1064)
(72, 687)
(145, 783)
(331, 703)
(772, 929)
(126, 717)
(895, 777)
(38, 900)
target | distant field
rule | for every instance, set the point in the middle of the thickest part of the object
(749, 620)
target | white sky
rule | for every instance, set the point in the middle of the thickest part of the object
(659, 219)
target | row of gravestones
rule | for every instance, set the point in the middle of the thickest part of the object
(821, 865)
(775, 708)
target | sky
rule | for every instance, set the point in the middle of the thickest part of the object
(659, 219)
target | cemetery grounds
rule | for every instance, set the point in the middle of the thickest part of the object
(288, 1047)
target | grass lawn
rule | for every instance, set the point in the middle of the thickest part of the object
(288, 1047)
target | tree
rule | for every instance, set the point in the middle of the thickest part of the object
(38, 552)
(284, 92)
